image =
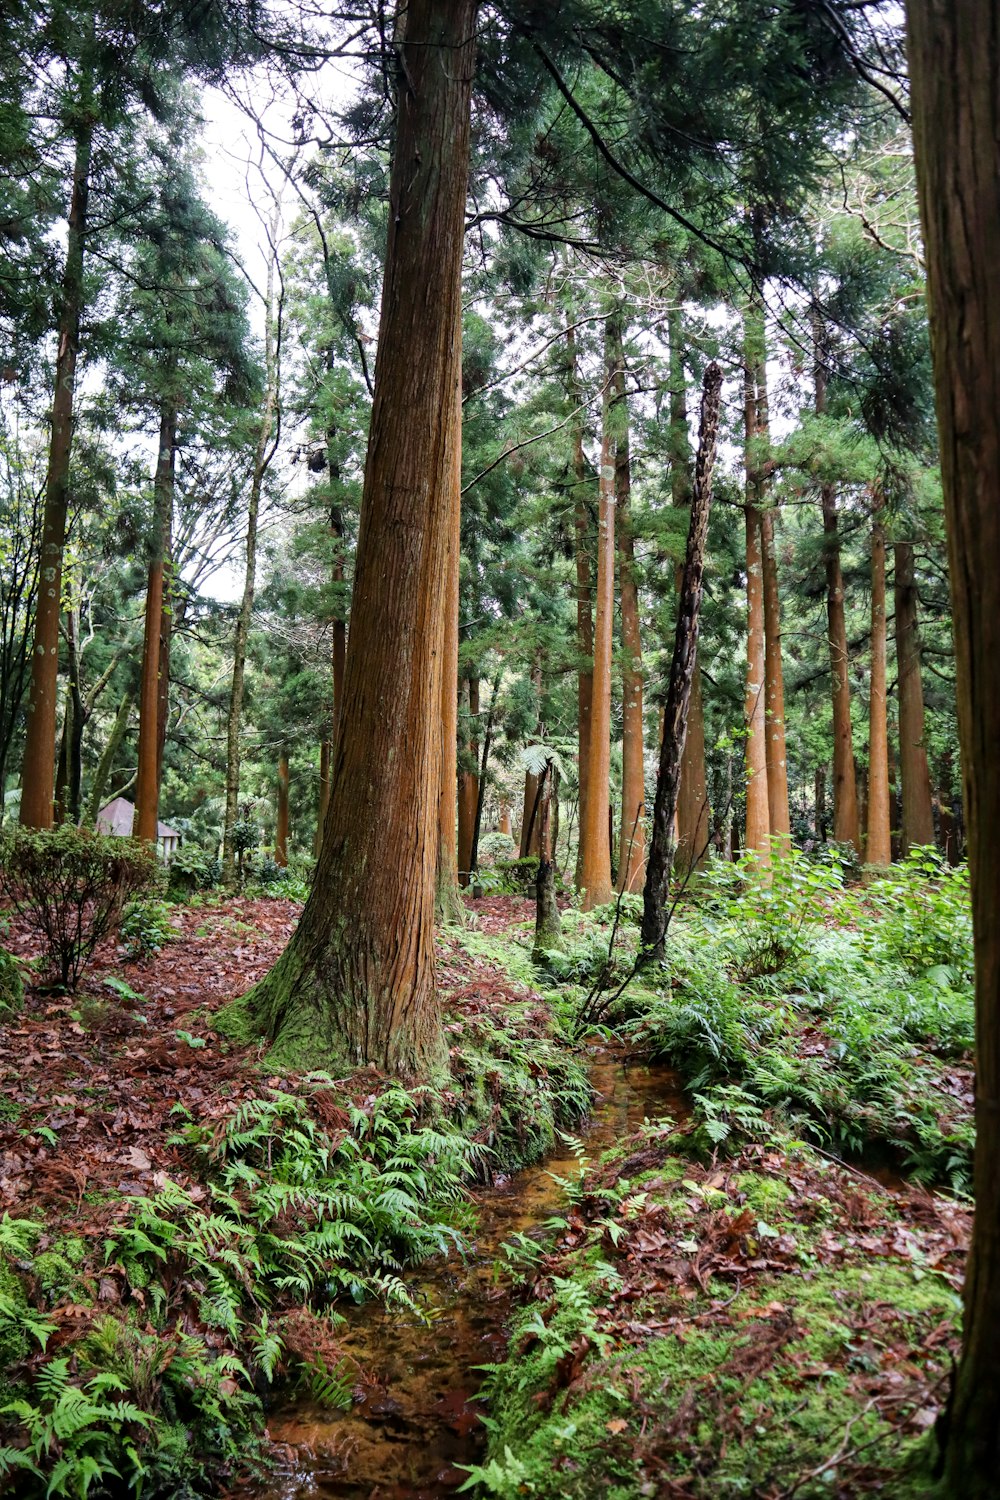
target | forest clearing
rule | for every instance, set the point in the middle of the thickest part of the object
(499, 895)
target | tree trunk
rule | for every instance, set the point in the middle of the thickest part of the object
(147, 793)
(107, 760)
(505, 819)
(449, 902)
(956, 110)
(357, 979)
(468, 784)
(758, 818)
(584, 601)
(693, 807)
(774, 675)
(661, 848)
(878, 850)
(846, 825)
(281, 823)
(323, 801)
(38, 777)
(632, 840)
(595, 855)
(918, 814)
(548, 925)
(819, 799)
(263, 454)
(529, 824)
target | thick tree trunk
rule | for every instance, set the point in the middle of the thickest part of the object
(632, 840)
(147, 792)
(661, 846)
(878, 850)
(357, 979)
(953, 51)
(846, 824)
(918, 814)
(323, 800)
(263, 452)
(468, 784)
(584, 600)
(281, 822)
(107, 760)
(595, 854)
(505, 819)
(38, 776)
(758, 818)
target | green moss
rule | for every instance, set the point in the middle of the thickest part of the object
(749, 1396)
(56, 1270)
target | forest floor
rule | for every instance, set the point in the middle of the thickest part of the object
(724, 1306)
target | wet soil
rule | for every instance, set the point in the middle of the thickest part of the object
(416, 1421)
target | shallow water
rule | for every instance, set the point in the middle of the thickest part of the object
(416, 1421)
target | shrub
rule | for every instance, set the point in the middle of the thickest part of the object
(495, 847)
(145, 927)
(72, 886)
(11, 985)
(192, 870)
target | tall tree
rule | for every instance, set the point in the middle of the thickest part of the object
(595, 858)
(846, 827)
(632, 838)
(758, 821)
(918, 812)
(956, 116)
(878, 848)
(357, 978)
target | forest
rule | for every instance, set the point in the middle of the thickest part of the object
(499, 797)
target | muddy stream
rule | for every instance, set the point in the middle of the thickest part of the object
(417, 1420)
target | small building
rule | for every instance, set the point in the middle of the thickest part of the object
(116, 817)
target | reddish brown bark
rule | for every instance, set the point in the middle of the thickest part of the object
(584, 601)
(38, 775)
(357, 979)
(846, 824)
(595, 854)
(774, 675)
(147, 792)
(632, 840)
(468, 783)
(449, 905)
(918, 814)
(954, 59)
(758, 819)
(878, 850)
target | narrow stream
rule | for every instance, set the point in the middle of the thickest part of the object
(417, 1422)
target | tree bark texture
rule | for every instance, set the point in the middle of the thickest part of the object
(693, 807)
(878, 849)
(632, 840)
(774, 675)
(584, 600)
(38, 777)
(595, 857)
(357, 979)
(468, 783)
(449, 901)
(846, 824)
(954, 55)
(758, 817)
(661, 845)
(147, 792)
(918, 814)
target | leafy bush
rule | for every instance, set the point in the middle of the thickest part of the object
(145, 927)
(516, 877)
(925, 916)
(191, 870)
(72, 885)
(494, 848)
(11, 985)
